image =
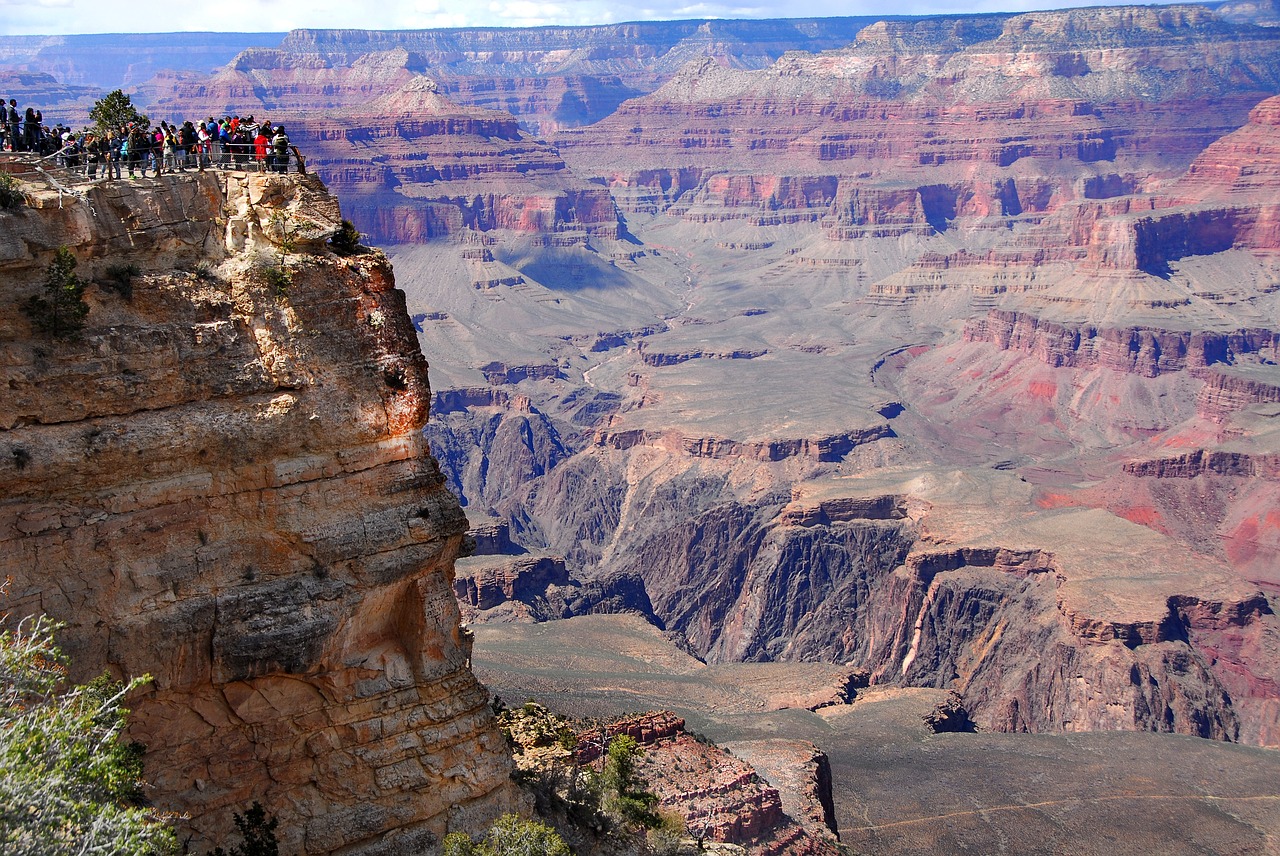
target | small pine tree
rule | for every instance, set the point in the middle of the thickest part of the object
(115, 111)
(258, 832)
(11, 195)
(625, 796)
(60, 312)
(346, 241)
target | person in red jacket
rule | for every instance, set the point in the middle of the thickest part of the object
(261, 148)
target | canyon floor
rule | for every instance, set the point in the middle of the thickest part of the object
(899, 788)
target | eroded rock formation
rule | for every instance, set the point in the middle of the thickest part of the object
(223, 484)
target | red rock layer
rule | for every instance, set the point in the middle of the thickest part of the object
(1148, 352)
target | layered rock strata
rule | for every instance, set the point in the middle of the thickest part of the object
(547, 77)
(409, 164)
(222, 483)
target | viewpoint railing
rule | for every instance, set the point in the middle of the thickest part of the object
(75, 179)
(60, 172)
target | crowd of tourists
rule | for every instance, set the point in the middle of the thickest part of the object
(136, 149)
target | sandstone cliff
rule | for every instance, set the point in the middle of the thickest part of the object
(223, 484)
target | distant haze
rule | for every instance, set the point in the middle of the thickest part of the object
(62, 17)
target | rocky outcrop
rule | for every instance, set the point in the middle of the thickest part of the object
(223, 484)
(830, 448)
(1146, 352)
(1227, 391)
(721, 798)
(494, 589)
(802, 774)
(1201, 462)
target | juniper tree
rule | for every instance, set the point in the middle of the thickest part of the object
(68, 783)
(59, 313)
(115, 111)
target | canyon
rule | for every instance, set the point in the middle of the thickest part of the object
(939, 352)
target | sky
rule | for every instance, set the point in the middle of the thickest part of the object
(61, 17)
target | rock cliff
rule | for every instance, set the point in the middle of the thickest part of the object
(223, 484)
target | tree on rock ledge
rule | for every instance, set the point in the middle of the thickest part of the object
(60, 312)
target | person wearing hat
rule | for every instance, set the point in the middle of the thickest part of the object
(70, 150)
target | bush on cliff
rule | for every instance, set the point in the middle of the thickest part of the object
(346, 241)
(258, 832)
(11, 195)
(60, 312)
(511, 835)
(625, 797)
(68, 783)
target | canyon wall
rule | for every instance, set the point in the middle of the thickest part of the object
(222, 483)
(947, 350)
(961, 368)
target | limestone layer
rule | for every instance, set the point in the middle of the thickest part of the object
(223, 484)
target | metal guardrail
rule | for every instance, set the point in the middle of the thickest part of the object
(49, 170)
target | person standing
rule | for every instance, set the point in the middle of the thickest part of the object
(138, 146)
(11, 118)
(92, 155)
(170, 148)
(262, 149)
(280, 143)
(30, 131)
(111, 153)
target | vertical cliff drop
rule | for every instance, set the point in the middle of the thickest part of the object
(223, 483)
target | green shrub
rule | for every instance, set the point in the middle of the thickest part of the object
(120, 279)
(114, 111)
(664, 839)
(60, 312)
(511, 835)
(625, 796)
(346, 241)
(68, 784)
(275, 276)
(258, 833)
(11, 195)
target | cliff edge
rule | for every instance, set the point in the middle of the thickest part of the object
(222, 482)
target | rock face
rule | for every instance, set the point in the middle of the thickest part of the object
(223, 484)
(947, 355)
